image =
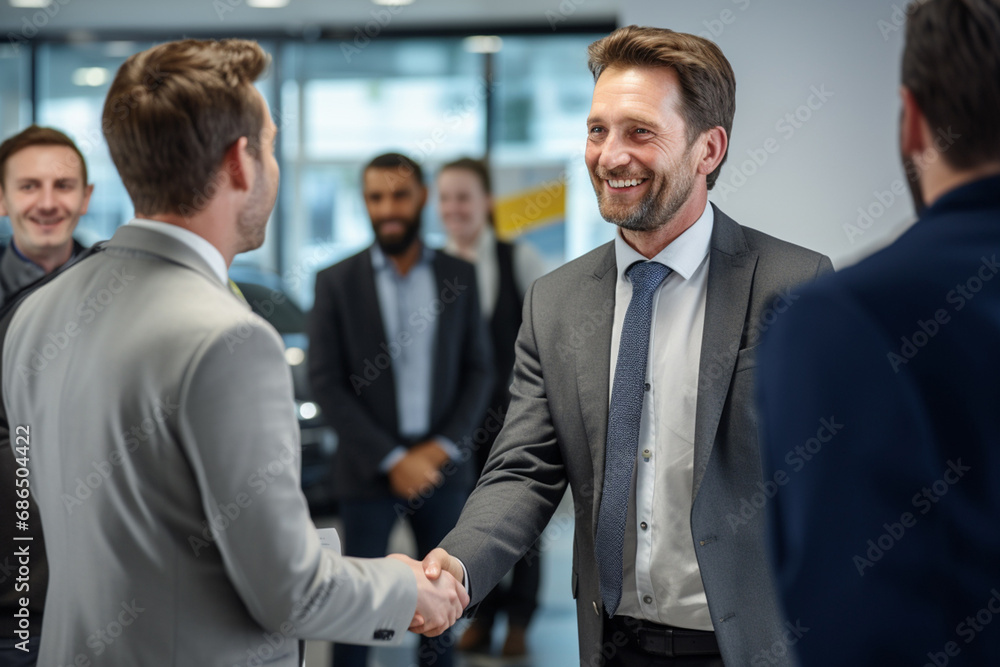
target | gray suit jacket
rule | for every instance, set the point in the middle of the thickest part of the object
(164, 460)
(556, 429)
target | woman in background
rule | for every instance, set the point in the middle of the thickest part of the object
(504, 271)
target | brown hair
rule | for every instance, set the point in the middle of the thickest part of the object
(951, 64)
(36, 136)
(706, 77)
(477, 167)
(174, 110)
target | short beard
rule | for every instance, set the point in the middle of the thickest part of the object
(655, 209)
(252, 230)
(403, 243)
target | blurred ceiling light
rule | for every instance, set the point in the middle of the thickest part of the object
(30, 4)
(482, 44)
(267, 4)
(91, 76)
(393, 3)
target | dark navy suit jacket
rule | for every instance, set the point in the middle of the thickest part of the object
(880, 407)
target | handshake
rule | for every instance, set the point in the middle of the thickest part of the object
(441, 597)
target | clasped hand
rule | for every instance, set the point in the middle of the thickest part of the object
(441, 599)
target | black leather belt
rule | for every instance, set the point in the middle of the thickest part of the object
(664, 640)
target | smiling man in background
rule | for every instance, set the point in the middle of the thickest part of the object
(44, 191)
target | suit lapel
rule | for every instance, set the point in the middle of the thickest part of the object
(444, 336)
(593, 361)
(730, 277)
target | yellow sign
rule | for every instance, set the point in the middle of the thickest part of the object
(529, 209)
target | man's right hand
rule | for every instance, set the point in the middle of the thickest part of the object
(440, 602)
(412, 474)
(438, 561)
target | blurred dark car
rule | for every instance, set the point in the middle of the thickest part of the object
(269, 299)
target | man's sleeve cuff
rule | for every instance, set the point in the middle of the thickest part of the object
(465, 578)
(391, 459)
(449, 448)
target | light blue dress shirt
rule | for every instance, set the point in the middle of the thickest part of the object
(409, 313)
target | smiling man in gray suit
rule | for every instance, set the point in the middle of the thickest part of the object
(155, 411)
(633, 384)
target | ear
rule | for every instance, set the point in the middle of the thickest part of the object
(714, 143)
(237, 164)
(423, 195)
(3, 203)
(87, 191)
(913, 138)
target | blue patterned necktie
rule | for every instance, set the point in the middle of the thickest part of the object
(624, 417)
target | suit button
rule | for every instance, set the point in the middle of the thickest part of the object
(596, 610)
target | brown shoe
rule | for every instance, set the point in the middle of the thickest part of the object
(515, 645)
(476, 638)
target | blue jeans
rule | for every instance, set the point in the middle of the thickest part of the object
(367, 524)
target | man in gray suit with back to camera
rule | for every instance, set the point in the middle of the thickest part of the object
(163, 448)
(633, 384)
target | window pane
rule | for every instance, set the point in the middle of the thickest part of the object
(541, 107)
(425, 98)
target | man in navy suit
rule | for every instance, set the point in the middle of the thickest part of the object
(880, 391)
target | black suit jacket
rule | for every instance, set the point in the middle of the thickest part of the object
(350, 368)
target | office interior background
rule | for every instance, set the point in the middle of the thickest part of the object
(813, 156)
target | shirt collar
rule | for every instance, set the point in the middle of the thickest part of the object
(484, 244)
(198, 244)
(380, 262)
(684, 255)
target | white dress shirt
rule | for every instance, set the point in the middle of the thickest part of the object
(661, 580)
(528, 267)
(198, 244)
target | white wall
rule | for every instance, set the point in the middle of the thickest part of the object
(845, 154)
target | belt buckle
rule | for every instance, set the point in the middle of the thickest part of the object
(660, 642)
